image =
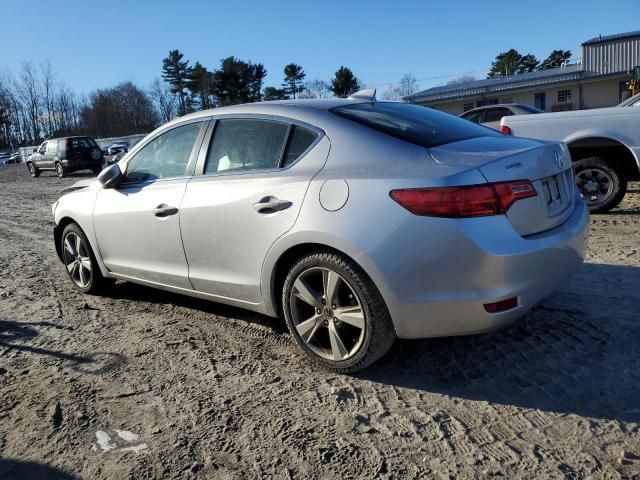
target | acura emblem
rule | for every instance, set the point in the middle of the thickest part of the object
(559, 153)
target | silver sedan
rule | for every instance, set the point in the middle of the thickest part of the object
(358, 221)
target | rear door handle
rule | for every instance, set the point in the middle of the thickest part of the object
(164, 210)
(271, 205)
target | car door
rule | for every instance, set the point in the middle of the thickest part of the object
(253, 180)
(137, 224)
(51, 153)
(38, 156)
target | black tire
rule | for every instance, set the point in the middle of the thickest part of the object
(379, 333)
(97, 282)
(33, 170)
(60, 170)
(597, 173)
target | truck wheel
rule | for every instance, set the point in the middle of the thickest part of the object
(33, 171)
(600, 185)
(60, 170)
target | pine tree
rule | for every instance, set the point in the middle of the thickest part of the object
(273, 93)
(293, 77)
(200, 84)
(555, 59)
(238, 82)
(176, 72)
(344, 83)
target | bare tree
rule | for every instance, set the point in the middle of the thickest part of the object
(315, 89)
(393, 93)
(408, 85)
(29, 96)
(165, 102)
(461, 79)
(48, 94)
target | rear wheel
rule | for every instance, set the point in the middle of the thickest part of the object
(80, 262)
(60, 172)
(599, 184)
(33, 171)
(335, 313)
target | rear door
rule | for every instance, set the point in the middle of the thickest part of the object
(253, 180)
(51, 153)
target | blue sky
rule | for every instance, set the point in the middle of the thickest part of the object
(98, 44)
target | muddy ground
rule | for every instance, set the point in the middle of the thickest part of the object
(145, 384)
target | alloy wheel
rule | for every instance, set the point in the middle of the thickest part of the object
(327, 314)
(595, 185)
(32, 169)
(77, 260)
(59, 170)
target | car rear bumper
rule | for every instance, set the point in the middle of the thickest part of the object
(71, 165)
(437, 274)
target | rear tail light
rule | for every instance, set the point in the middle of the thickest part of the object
(502, 305)
(506, 130)
(466, 201)
(67, 144)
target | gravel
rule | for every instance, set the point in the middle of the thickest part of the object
(147, 384)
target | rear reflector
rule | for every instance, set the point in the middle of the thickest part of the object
(465, 201)
(502, 305)
(506, 130)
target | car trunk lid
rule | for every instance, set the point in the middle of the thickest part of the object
(546, 165)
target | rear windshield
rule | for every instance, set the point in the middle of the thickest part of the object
(419, 125)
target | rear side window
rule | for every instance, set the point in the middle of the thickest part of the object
(300, 139)
(246, 144)
(496, 114)
(52, 147)
(415, 124)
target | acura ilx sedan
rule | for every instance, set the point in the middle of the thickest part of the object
(358, 221)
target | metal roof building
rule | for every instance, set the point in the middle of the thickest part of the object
(596, 81)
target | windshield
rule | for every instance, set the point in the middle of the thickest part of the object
(413, 123)
(529, 108)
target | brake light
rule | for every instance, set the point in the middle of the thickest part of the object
(505, 130)
(67, 144)
(466, 201)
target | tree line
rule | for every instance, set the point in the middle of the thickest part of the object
(36, 104)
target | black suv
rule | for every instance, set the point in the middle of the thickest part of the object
(65, 155)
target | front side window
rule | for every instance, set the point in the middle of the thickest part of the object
(246, 144)
(165, 156)
(51, 147)
(42, 148)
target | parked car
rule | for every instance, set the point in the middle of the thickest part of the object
(490, 115)
(604, 145)
(13, 158)
(358, 221)
(65, 155)
(117, 147)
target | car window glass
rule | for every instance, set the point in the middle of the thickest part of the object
(43, 148)
(165, 156)
(300, 139)
(474, 117)
(495, 114)
(51, 147)
(245, 144)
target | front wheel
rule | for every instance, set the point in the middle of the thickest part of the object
(335, 313)
(33, 171)
(80, 262)
(600, 185)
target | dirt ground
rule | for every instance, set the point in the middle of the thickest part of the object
(145, 384)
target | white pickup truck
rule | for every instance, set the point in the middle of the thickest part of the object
(604, 145)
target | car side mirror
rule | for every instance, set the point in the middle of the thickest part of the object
(111, 176)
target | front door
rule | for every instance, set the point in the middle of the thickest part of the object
(254, 180)
(137, 225)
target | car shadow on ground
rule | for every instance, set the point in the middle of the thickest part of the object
(15, 336)
(11, 469)
(576, 353)
(140, 293)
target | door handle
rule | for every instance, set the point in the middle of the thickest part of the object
(271, 205)
(164, 210)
